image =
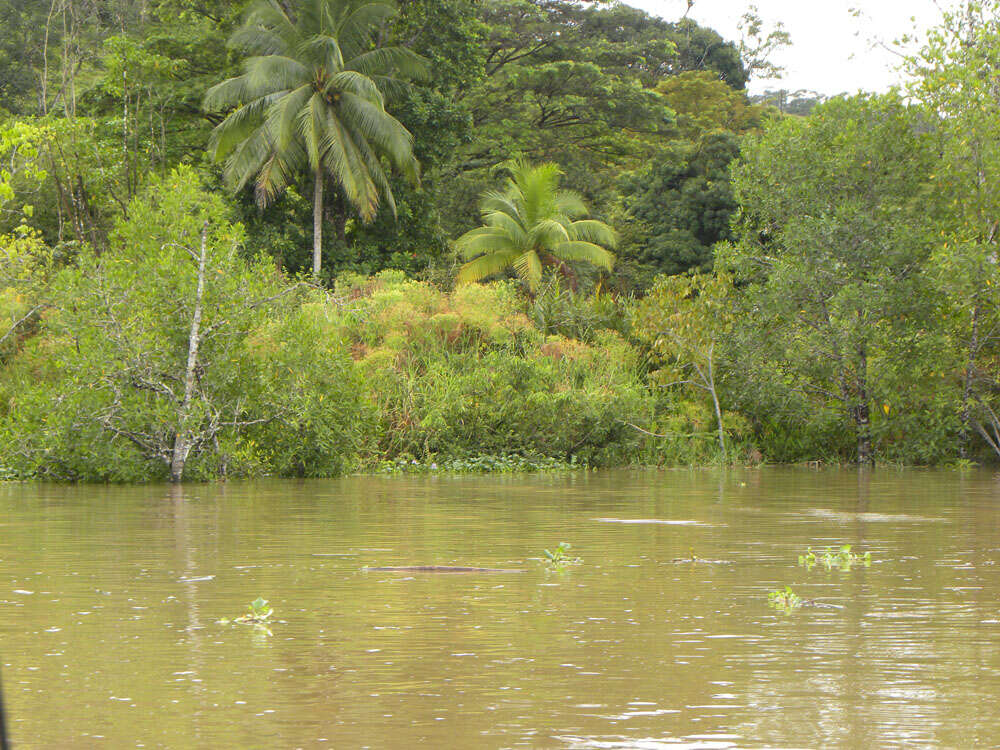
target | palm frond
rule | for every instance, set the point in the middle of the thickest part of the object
(577, 250)
(591, 230)
(358, 84)
(323, 51)
(546, 233)
(267, 30)
(283, 115)
(359, 188)
(485, 240)
(233, 92)
(570, 203)
(238, 125)
(273, 178)
(383, 130)
(375, 170)
(398, 62)
(509, 224)
(493, 200)
(273, 73)
(247, 158)
(529, 267)
(357, 28)
(485, 266)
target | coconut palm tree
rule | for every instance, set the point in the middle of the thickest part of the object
(530, 224)
(311, 100)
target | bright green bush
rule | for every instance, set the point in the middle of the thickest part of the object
(467, 374)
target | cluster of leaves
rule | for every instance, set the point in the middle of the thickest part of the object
(843, 559)
(785, 600)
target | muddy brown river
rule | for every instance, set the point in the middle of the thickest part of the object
(111, 597)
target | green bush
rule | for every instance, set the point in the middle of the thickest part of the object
(107, 389)
(466, 374)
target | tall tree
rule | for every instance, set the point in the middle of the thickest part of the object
(833, 235)
(679, 203)
(532, 223)
(956, 75)
(312, 98)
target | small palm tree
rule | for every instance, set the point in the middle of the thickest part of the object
(311, 100)
(530, 224)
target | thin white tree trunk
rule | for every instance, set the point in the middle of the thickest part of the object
(715, 402)
(317, 223)
(182, 442)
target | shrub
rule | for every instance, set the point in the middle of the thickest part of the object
(466, 374)
(118, 386)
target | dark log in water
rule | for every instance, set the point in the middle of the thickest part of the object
(439, 569)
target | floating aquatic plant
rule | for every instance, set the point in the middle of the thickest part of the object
(258, 613)
(843, 558)
(785, 600)
(560, 558)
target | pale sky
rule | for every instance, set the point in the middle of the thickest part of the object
(831, 50)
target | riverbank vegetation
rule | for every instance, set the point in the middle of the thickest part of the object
(457, 235)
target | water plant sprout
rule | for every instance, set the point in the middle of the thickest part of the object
(560, 558)
(258, 612)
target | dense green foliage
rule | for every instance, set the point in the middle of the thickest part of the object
(100, 393)
(813, 282)
(460, 374)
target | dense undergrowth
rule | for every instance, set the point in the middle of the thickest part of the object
(280, 378)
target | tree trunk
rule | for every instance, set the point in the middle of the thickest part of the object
(862, 414)
(715, 402)
(970, 365)
(317, 223)
(182, 442)
(340, 222)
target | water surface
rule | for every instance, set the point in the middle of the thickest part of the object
(110, 597)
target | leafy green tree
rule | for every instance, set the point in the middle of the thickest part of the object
(680, 205)
(701, 48)
(800, 102)
(531, 223)
(955, 76)
(833, 236)
(703, 103)
(686, 321)
(312, 99)
(575, 84)
(169, 356)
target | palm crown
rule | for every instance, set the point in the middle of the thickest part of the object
(312, 95)
(531, 223)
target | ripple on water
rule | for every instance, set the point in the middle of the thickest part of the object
(695, 742)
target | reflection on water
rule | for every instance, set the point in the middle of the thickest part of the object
(110, 597)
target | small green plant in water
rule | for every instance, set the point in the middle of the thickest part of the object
(843, 558)
(258, 613)
(786, 600)
(560, 558)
